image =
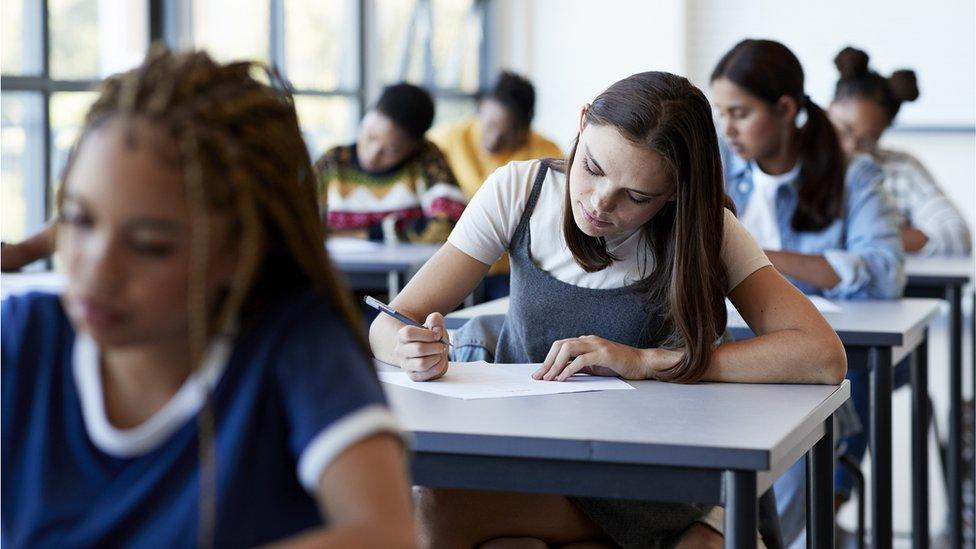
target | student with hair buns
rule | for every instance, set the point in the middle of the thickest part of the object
(202, 381)
(865, 105)
(824, 219)
(391, 171)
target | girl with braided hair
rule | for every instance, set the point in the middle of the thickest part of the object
(202, 380)
(865, 105)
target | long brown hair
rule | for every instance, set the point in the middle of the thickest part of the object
(241, 152)
(685, 291)
(770, 71)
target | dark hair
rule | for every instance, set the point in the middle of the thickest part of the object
(858, 81)
(516, 94)
(686, 289)
(770, 71)
(409, 107)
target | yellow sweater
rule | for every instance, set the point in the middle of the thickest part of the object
(461, 144)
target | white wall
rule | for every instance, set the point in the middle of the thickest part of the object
(934, 38)
(573, 49)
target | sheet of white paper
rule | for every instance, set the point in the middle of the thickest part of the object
(339, 245)
(472, 380)
(824, 305)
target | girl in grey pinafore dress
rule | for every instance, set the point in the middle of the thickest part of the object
(544, 309)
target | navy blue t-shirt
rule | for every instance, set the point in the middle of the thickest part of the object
(292, 391)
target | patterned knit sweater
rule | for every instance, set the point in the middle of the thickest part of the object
(419, 192)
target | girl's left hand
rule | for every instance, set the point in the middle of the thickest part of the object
(597, 356)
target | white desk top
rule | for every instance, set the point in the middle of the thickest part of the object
(890, 323)
(21, 283)
(939, 270)
(378, 258)
(718, 425)
(381, 258)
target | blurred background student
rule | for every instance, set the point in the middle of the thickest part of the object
(824, 219)
(865, 105)
(499, 134)
(391, 173)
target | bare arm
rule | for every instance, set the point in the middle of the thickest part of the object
(793, 343)
(37, 246)
(365, 493)
(439, 287)
(812, 269)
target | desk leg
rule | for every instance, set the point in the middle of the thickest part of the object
(954, 297)
(879, 362)
(741, 509)
(972, 396)
(394, 283)
(820, 490)
(920, 454)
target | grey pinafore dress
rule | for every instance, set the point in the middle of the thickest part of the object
(544, 309)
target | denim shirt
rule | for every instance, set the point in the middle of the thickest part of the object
(863, 247)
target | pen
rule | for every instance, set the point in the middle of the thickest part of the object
(384, 308)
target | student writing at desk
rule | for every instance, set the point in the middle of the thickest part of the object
(824, 220)
(632, 283)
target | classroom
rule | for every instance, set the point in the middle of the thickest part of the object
(497, 274)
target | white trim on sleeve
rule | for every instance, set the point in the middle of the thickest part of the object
(336, 438)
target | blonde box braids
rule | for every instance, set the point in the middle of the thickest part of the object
(241, 152)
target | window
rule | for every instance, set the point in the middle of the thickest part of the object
(435, 43)
(54, 51)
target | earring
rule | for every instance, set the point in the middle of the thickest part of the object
(801, 118)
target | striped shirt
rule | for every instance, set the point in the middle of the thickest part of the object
(923, 205)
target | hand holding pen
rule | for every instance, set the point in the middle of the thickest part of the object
(422, 350)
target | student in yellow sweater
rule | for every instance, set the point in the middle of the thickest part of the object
(501, 133)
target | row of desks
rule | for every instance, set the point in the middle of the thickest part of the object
(670, 442)
(877, 336)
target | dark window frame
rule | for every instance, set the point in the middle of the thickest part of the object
(165, 20)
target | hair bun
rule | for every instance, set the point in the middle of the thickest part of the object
(903, 85)
(851, 62)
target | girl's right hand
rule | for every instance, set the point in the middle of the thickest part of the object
(422, 352)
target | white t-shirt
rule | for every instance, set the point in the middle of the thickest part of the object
(488, 224)
(760, 215)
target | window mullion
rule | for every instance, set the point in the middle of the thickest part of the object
(276, 38)
(46, 139)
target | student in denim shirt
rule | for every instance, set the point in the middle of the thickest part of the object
(824, 220)
(861, 246)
